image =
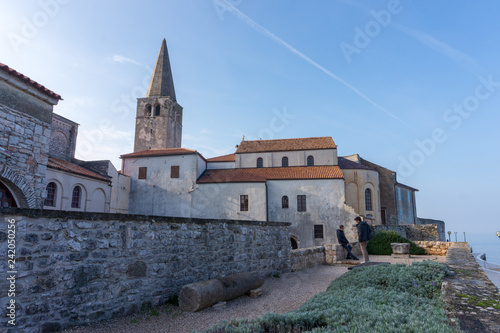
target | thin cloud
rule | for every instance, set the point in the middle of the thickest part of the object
(462, 59)
(124, 60)
(233, 10)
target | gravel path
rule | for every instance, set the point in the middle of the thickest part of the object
(280, 295)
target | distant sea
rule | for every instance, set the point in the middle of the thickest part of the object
(490, 246)
(484, 243)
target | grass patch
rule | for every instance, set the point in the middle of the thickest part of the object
(484, 302)
(382, 298)
(380, 244)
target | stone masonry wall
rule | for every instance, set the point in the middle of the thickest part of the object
(435, 248)
(77, 268)
(24, 172)
(425, 232)
(308, 257)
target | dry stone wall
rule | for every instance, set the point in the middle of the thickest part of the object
(308, 257)
(425, 232)
(77, 268)
(436, 248)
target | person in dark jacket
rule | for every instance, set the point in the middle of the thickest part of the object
(364, 234)
(345, 243)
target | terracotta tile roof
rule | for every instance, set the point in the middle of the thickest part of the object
(344, 163)
(258, 146)
(29, 81)
(58, 164)
(160, 152)
(263, 174)
(223, 158)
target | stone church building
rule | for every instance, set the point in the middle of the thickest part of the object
(302, 180)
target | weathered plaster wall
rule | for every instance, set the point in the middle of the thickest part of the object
(222, 200)
(95, 197)
(295, 158)
(159, 194)
(356, 182)
(78, 268)
(220, 165)
(324, 205)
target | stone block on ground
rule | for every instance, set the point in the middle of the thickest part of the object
(196, 296)
(254, 293)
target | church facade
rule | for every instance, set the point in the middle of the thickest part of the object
(302, 181)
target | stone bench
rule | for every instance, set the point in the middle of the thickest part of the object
(400, 250)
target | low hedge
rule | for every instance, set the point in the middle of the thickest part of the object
(380, 244)
(380, 298)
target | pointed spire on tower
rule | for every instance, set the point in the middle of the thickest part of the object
(162, 83)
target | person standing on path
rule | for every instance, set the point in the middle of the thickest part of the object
(345, 243)
(364, 235)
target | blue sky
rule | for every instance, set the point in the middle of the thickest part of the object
(411, 85)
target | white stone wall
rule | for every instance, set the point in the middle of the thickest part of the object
(295, 158)
(159, 194)
(356, 182)
(95, 196)
(220, 165)
(325, 205)
(222, 201)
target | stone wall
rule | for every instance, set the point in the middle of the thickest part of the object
(435, 248)
(77, 268)
(440, 227)
(24, 172)
(308, 257)
(425, 232)
(335, 253)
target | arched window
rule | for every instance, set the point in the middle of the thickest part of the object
(368, 199)
(148, 110)
(284, 161)
(157, 110)
(293, 243)
(260, 162)
(76, 197)
(51, 195)
(310, 160)
(284, 202)
(6, 198)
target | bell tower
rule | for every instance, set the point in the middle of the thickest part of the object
(159, 117)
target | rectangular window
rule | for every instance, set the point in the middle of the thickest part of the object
(409, 196)
(399, 194)
(142, 172)
(318, 231)
(174, 171)
(244, 203)
(301, 203)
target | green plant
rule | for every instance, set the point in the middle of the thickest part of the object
(380, 244)
(382, 298)
(276, 275)
(154, 312)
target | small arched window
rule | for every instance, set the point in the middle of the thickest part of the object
(260, 162)
(157, 110)
(284, 161)
(51, 195)
(76, 197)
(148, 110)
(310, 160)
(284, 202)
(368, 199)
(293, 243)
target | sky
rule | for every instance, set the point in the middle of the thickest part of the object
(410, 85)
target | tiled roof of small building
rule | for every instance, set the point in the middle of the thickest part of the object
(223, 158)
(344, 163)
(63, 165)
(29, 81)
(258, 146)
(160, 152)
(263, 174)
